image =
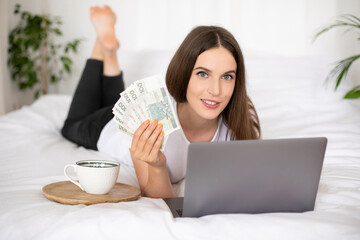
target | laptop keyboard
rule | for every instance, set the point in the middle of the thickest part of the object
(179, 211)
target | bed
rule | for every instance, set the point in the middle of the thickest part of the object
(291, 100)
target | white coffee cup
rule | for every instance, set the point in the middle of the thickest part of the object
(95, 176)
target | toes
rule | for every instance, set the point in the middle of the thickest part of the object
(94, 9)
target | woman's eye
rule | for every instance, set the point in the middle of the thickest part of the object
(228, 77)
(202, 74)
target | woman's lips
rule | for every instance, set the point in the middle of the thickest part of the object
(210, 104)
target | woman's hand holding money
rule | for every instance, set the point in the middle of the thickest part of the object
(149, 161)
(146, 144)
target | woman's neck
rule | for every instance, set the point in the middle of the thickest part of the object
(196, 129)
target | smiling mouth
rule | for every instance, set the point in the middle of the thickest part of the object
(209, 102)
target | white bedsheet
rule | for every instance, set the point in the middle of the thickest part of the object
(291, 101)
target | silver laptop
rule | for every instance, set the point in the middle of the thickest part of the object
(251, 176)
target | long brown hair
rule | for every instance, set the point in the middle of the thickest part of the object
(239, 115)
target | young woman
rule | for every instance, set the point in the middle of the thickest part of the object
(206, 79)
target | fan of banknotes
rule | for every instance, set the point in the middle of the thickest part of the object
(146, 99)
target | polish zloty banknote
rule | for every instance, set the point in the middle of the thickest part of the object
(156, 104)
(122, 116)
(146, 99)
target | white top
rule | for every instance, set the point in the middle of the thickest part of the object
(117, 144)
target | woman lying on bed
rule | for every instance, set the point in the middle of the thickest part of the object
(206, 78)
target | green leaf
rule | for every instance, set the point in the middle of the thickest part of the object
(340, 71)
(72, 45)
(353, 93)
(32, 78)
(37, 21)
(48, 21)
(347, 20)
(351, 18)
(57, 31)
(57, 20)
(37, 94)
(67, 67)
(22, 85)
(25, 15)
(53, 78)
(66, 60)
(17, 9)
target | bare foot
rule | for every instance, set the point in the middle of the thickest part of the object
(103, 19)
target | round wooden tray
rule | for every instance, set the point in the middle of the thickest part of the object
(68, 193)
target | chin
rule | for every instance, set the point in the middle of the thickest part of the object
(210, 116)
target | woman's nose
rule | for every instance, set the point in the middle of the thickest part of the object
(214, 87)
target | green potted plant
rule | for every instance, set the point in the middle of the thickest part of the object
(339, 72)
(34, 57)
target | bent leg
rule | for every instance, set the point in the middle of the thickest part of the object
(91, 107)
(112, 86)
(87, 97)
(86, 131)
(84, 121)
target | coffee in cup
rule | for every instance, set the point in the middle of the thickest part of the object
(95, 176)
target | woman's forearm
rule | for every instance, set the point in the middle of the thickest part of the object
(150, 162)
(158, 184)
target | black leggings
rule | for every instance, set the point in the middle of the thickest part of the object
(91, 107)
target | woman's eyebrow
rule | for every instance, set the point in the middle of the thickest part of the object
(232, 71)
(208, 70)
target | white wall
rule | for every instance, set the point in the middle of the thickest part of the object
(4, 81)
(278, 27)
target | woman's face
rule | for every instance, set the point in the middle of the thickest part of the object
(211, 83)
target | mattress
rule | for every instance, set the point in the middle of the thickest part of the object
(292, 101)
